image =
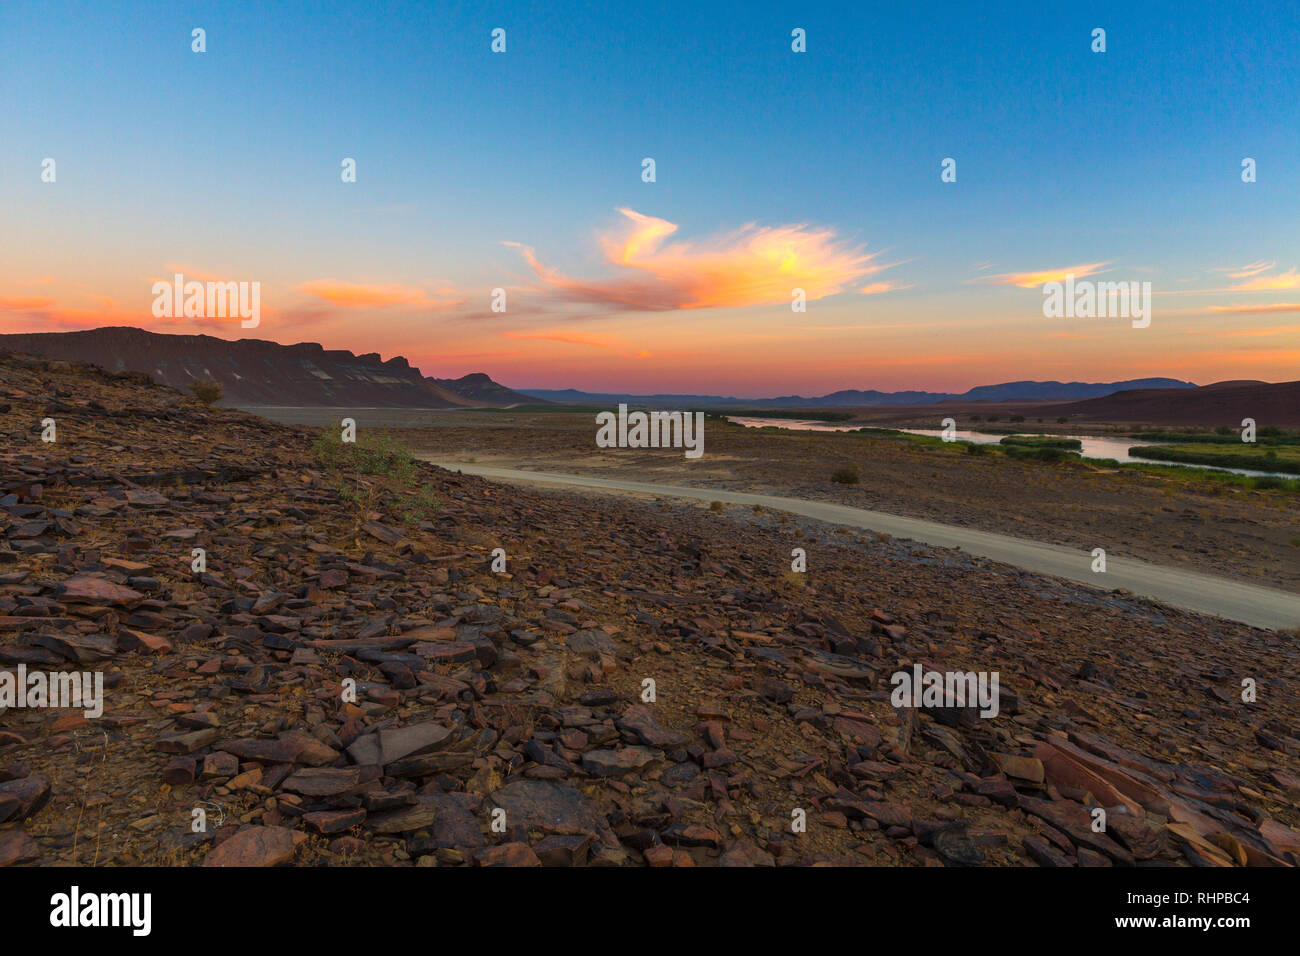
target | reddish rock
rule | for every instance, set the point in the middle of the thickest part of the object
(334, 821)
(89, 589)
(256, 846)
(507, 854)
(139, 640)
(21, 798)
(17, 847)
(179, 771)
(658, 855)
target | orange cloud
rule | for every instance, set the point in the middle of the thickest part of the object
(190, 273)
(28, 304)
(568, 338)
(352, 295)
(1258, 309)
(1265, 283)
(39, 313)
(875, 288)
(756, 265)
(1257, 332)
(1028, 280)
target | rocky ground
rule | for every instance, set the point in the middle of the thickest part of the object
(1228, 531)
(505, 719)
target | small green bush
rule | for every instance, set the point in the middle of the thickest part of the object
(398, 483)
(207, 391)
(1042, 441)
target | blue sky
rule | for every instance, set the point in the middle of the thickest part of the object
(228, 162)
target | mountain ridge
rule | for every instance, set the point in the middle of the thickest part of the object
(1220, 403)
(847, 398)
(262, 372)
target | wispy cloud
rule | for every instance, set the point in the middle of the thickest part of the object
(876, 288)
(189, 272)
(568, 338)
(354, 295)
(755, 265)
(1029, 280)
(592, 340)
(44, 314)
(1246, 271)
(31, 303)
(1258, 309)
(1269, 283)
(1252, 333)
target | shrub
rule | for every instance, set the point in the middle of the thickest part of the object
(1018, 418)
(1043, 441)
(392, 479)
(976, 418)
(1062, 420)
(993, 418)
(1285, 458)
(845, 476)
(715, 506)
(374, 453)
(1037, 453)
(1051, 454)
(207, 391)
(975, 448)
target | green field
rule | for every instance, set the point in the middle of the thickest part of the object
(1279, 458)
(1222, 436)
(1042, 441)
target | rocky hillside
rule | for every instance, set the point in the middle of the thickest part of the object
(348, 681)
(259, 372)
(479, 389)
(1224, 403)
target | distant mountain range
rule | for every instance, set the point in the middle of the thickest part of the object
(847, 398)
(258, 372)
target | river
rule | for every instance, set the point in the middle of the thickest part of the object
(1093, 447)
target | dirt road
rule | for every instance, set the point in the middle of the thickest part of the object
(1250, 604)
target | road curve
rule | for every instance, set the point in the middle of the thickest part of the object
(1248, 603)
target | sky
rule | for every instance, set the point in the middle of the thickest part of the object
(774, 170)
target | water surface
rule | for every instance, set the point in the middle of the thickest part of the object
(1092, 446)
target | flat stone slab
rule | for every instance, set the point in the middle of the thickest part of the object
(394, 743)
(552, 808)
(256, 846)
